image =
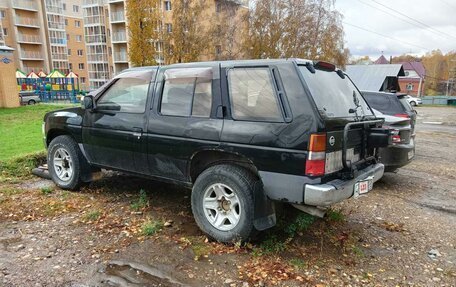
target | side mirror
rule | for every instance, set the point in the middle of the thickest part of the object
(88, 103)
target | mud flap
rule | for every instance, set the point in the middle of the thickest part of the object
(265, 216)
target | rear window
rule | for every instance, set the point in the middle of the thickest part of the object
(405, 104)
(389, 105)
(333, 95)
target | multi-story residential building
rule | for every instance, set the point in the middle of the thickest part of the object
(99, 55)
(74, 27)
(24, 30)
(119, 34)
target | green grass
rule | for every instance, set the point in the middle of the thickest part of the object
(141, 202)
(46, 190)
(18, 168)
(93, 215)
(20, 129)
(151, 227)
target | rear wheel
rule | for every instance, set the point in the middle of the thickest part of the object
(222, 203)
(413, 103)
(31, 102)
(66, 163)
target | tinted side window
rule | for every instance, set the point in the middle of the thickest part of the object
(126, 95)
(187, 92)
(252, 95)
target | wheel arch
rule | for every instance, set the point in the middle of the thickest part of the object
(204, 159)
(55, 132)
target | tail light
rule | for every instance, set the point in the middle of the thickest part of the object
(316, 158)
(402, 116)
(396, 138)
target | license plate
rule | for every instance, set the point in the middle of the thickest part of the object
(411, 154)
(363, 186)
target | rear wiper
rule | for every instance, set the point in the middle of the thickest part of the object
(355, 110)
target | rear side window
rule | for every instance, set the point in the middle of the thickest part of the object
(386, 104)
(252, 95)
(187, 92)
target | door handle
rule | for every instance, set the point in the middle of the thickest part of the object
(137, 132)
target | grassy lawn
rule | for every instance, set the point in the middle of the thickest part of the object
(20, 130)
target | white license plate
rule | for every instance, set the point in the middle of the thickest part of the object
(411, 154)
(363, 186)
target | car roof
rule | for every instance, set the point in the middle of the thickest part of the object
(222, 63)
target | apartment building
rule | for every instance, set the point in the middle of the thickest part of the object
(74, 28)
(24, 30)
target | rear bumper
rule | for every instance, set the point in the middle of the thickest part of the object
(303, 190)
(397, 156)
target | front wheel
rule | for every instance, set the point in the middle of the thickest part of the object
(31, 102)
(413, 104)
(66, 163)
(222, 203)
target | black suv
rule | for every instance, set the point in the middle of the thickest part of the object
(240, 134)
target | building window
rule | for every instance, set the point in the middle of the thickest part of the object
(68, 37)
(78, 38)
(64, 6)
(169, 27)
(81, 66)
(167, 5)
(66, 22)
(69, 51)
(80, 52)
(218, 50)
(2, 14)
(83, 80)
(5, 32)
(70, 66)
(409, 87)
(75, 8)
(77, 23)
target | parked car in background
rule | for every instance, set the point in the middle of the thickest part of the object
(413, 101)
(401, 151)
(240, 134)
(391, 104)
(28, 98)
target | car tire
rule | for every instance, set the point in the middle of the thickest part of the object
(223, 204)
(66, 163)
(31, 102)
(413, 103)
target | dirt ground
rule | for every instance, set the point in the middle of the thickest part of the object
(403, 233)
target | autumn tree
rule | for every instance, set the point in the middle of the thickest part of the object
(143, 18)
(187, 39)
(295, 28)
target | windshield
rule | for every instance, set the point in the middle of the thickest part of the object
(335, 97)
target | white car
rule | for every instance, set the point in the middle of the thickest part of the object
(413, 101)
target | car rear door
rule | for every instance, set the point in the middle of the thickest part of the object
(183, 118)
(112, 132)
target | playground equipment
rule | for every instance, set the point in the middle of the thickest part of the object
(53, 87)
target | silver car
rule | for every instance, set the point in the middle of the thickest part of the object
(29, 97)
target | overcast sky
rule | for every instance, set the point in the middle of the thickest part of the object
(440, 15)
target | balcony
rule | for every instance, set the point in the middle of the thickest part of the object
(28, 5)
(94, 20)
(54, 9)
(95, 39)
(98, 58)
(59, 57)
(58, 41)
(86, 3)
(120, 57)
(56, 26)
(119, 36)
(98, 76)
(29, 39)
(117, 17)
(31, 55)
(28, 69)
(26, 22)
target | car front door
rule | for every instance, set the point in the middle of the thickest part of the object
(112, 131)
